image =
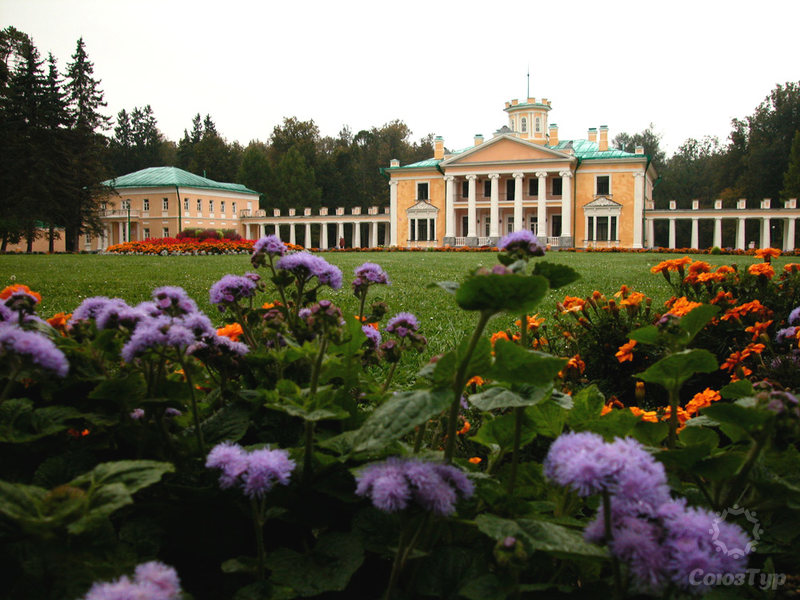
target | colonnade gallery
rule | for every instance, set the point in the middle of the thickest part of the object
(571, 193)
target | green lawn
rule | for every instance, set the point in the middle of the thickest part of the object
(65, 280)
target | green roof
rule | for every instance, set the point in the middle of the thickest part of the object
(171, 177)
(587, 150)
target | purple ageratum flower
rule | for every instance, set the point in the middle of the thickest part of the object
(265, 468)
(305, 265)
(230, 289)
(161, 576)
(371, 273)
(91, 308)
(137, 414)
(173, 300)
(393, 483)
(373, 336)
(117, 313)
(172, 412)
(574, 460)
(402, 323)
(786, 334)
(7, 315)
(523, 241)
(153, 581)
(794, 316)
(270, 244)
(231, 459)
(34, 347)
(637, 543)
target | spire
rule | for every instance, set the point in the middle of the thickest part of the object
(528, 95)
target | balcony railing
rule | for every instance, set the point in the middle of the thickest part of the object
(119, 213)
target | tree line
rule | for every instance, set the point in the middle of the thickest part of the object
(59, 146)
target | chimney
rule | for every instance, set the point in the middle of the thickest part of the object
(592, 134)
(438, 148)
(394, 163)
(514, 102)
(478, 139)
(531, 100)
(603, 143)
(639, 149)
(553, 134)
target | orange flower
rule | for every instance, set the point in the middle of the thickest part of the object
(573, 364)
(708, 277)
(77, 434)
(625, 351)
(477, 381)
(791, 267)
(475, 460)
(764, 269)
(721, 296)
(633, 300)
(682, 306)
(759, 328)
(373, 325)
(725, 269)
(268, 305)
(748, 307)
(701, 400)
(768, 253)
(464, 429)
(736, 357)
(232, 331)
(646, 415)
(59, 321)
(683, 416)
(18, 287)
(624, 290)
(699, 266)
(533, 322)
(674, 264)
(573, 304)
(500, 335)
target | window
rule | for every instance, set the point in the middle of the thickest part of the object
(601, 229)
(211, 206)
(233, 208)
(533, 188)
(165, 232)
(590, 229)
(185, 204)
(558, 186)
(533, 225)
(165, 204)
(510, 189)
(222, 207)
(146, 204)
(147, 233)
(464, 225)
(199, 205)
(538, 124)
(422, 226)
(487, 223)
(88, 238)
(555, 221)
(126, 204)
(104, 206)
(422, 191)
(487, 188)
(603, 184)
(509, 224)
(465, 189)
(524, 126)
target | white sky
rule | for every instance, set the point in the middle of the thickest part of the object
(443, 67)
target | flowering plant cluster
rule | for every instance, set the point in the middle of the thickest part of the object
(268, 450)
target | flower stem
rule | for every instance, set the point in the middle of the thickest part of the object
(308, 451)
(737, 487)
(197, 430)
(673, 417)
(258, 524)
(460, 382)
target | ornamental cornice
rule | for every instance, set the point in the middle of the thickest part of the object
(541, 174)
(565, 173)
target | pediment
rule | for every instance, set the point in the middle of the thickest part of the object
(422, 208)
(505, 148)
(602, 202)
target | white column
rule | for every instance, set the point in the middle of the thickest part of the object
(356, 235)
(323, 235)
(566, 203)
(307, 236)
(278, 230)
(292, 238)
(472, 209)
(541, 206)
(765, 233)
(695, 234)
(740, 231)
(449, 207)
(519, 216)
(788, 234)
(121, 233)
(638, 208)
(718, 232)
(373, 234)
(339, 232)
(672, 232)
(651, 233)
(494, 206)
(392, 213)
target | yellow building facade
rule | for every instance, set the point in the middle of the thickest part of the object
(579, 193)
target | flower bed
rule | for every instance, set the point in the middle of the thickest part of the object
(274, 456)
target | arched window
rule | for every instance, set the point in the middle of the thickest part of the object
(524, 125)
(538, 124)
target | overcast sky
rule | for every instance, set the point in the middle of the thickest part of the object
(442, 67)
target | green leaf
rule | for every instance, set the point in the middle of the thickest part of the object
(646, 335)
(684, 458)
(240, 564)
(353, 340)
(126, 389)
(673, 370)
(229, 423)
(495, 293)
(617, 423)
(20, 422)
(327, 568)
(558, 275)
(721, 467)
(485, 587)
(451, 287)
(498, 433)
(480, 361)
(540, 535)
(737, 389)
(18, 501)
(104, 501)
(650, 434)
(587, 404)
(693, 321)
(699, 436)
(749, 419)
(515, 364)
(133, 474)
(399, 415)
(497, 397)
(549, 418)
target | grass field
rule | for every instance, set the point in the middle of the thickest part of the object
(65, 280)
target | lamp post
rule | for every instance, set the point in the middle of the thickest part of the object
(129, 221)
